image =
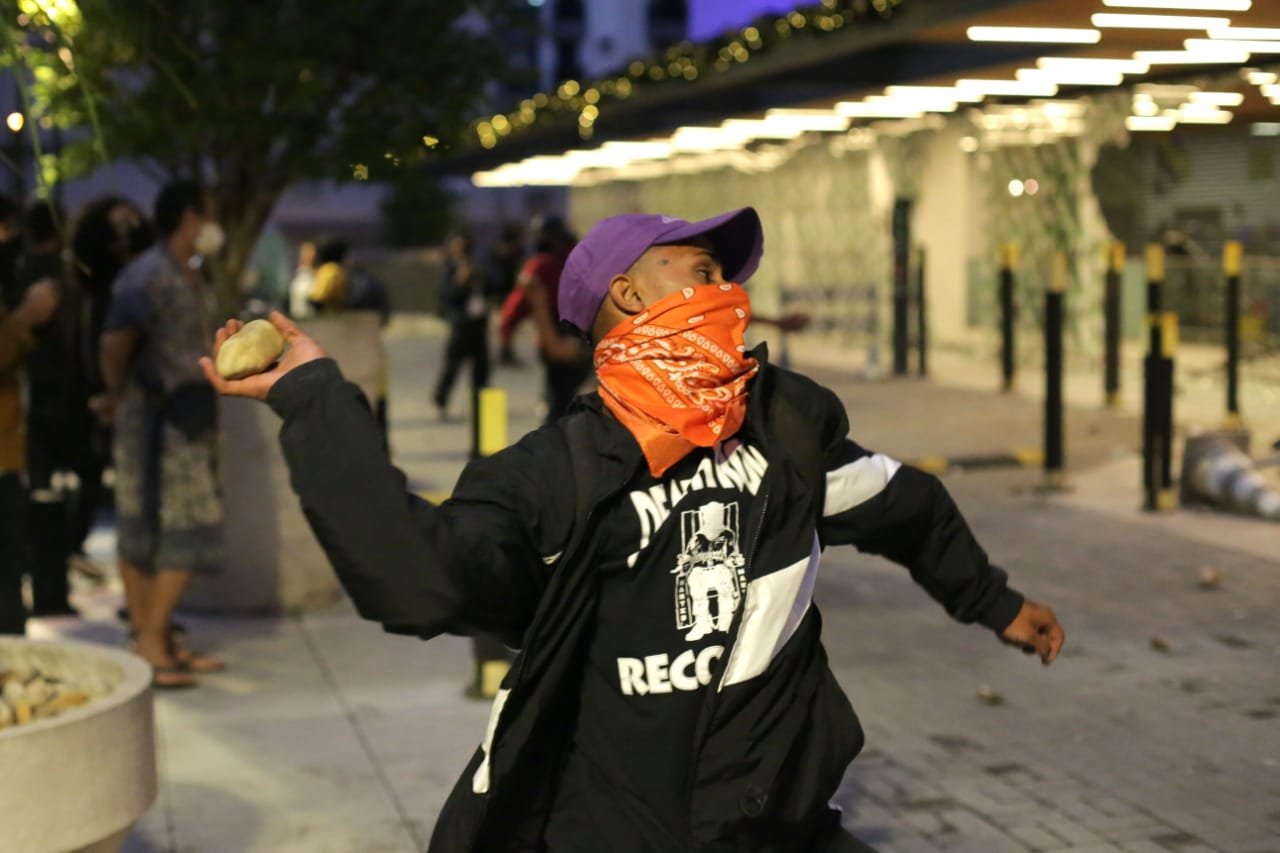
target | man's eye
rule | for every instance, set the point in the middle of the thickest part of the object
(706, 274)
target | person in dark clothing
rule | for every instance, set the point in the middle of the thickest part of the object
(109, 233)
(462, 300)
(653, 555)
(58, 424)
(10, 248)
(505, 259)
(17, 338)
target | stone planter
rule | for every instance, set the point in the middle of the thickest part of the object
(273, 563)
(78, 781)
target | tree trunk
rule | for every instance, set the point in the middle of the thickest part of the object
(243, 215)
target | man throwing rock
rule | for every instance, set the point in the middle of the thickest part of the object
(652, 555)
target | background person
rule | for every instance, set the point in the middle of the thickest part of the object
(17, 337)
(168, 506)
(466, 310)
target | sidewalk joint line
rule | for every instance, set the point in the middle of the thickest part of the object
(365, 744)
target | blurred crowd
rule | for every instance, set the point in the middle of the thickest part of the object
(104, 313)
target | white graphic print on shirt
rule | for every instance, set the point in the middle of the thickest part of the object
(710, 573)
(709, 578)
(734, 465)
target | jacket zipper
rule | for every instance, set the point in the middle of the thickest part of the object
(517, 672)
(713, 692)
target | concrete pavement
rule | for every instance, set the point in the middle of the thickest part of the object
(1155, 731)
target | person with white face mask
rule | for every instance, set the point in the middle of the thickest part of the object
(165, 416)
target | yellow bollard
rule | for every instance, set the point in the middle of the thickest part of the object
(493, 420)
(1116, 257)
(1232, 257)
(1155, 262)
(491, 659)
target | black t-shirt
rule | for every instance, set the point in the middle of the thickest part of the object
(673, 570)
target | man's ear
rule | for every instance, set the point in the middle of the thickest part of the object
(625, 296)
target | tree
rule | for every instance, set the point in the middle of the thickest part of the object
(418, 211)
(250, 97)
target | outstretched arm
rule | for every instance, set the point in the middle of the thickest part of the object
(883, 507)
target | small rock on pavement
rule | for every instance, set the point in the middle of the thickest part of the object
(1160, 644)
(1210, 578)
(990, 696)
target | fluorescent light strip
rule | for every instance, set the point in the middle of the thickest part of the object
(855, 109)
(1262, 78)
(1157, 22)
(1263, 33)
(1265, 128)
(758, 129)
(640, 150)
(940, 93)
(694, 139)
(1189, 115)
(1192, 57)
(928, 104)
(1039, 35)
(1254, 46)
(1183, 5)
(1124, 66)
(1071, 77)
(1147, 123)
(1218, 99)
(815, 120)
(1009, 88)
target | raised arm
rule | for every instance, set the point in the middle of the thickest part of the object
(467, 566)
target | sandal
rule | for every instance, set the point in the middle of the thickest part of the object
(172, 678)
(191, 661)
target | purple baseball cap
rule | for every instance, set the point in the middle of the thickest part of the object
(614, 244)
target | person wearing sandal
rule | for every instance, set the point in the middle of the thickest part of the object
(165, 417)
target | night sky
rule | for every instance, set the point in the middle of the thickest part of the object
(708, 18)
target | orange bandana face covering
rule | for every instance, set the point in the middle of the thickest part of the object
(676, 374)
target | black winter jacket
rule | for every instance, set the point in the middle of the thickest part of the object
(510, 555)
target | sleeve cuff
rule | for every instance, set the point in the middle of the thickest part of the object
(293, 390)
(1002, 611)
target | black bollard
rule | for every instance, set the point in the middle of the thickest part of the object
(1054, 320)
(1231, 261)
(901, 285)
(1157, 414)
(1008, 265)
(1151, 372)
(922, 317)
(1167, 497)
(1111, 325)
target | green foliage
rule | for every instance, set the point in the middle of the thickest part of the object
(419, 211)
(253, 96)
